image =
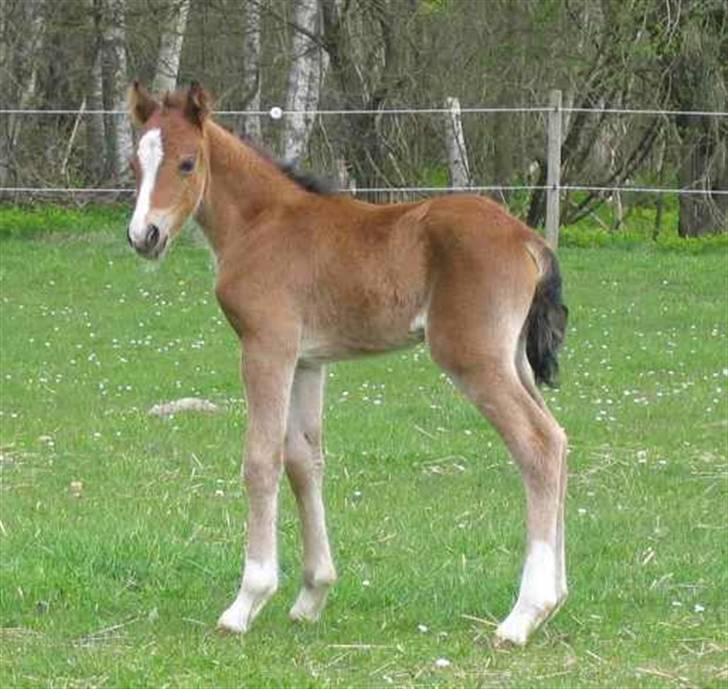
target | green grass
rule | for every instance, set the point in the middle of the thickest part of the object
(122, 586)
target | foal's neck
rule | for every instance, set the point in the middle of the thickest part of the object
(241, 184)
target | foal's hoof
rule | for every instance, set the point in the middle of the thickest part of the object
(299, 614)
(507, 637)
(517, 628)
(308, 605)
(230, 623)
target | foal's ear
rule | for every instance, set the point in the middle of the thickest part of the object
(198, 105)
(141, 104)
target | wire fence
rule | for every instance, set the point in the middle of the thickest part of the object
(276, 113)
(411, 190)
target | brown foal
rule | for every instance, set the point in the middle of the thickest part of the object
(306, 278)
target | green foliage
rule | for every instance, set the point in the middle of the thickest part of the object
(31, 221)
(638, 229)
(119, 584)
(434, 7)
(434, 176)
(28, 221)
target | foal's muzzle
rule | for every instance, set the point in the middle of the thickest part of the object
(152, 243)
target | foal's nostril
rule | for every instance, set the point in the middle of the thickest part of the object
(128, 236)
(152, 235)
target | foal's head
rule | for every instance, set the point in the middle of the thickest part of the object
(169, 164)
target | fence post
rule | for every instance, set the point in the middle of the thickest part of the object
(457, 153)
(553, 170)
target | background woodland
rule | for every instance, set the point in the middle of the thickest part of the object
(304, 55)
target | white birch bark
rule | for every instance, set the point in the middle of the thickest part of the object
(170, 47)
(250, 124)
(95, 128)
(119, 138)
(457, 154)
(305, 77)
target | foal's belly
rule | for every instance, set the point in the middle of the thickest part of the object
(335, 345)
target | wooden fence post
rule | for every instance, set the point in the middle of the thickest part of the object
(553, 170)
(457, 153)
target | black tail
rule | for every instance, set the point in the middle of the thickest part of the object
(546, 323)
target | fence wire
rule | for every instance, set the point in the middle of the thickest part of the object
(276, 113)
(407, 190)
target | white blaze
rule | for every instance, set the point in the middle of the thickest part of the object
(150, 154)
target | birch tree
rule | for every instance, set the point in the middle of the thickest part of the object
(457, 153)
(170, 47)
(250, 124)
(118, 128)
(305, 77)
(95, 129)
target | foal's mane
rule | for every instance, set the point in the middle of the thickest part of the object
(306, 180)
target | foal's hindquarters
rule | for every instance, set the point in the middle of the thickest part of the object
(488, 310)
(478, 333)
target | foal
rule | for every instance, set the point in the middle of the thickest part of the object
(307, 278)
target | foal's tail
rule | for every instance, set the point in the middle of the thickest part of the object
(546, 321)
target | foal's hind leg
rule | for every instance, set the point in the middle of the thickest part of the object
(480, 359)
(537, 444)
(304, 462)
(525, 373)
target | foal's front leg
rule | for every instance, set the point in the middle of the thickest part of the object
(267, 373)
(304, 462)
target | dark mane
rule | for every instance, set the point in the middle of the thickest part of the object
(306, 180)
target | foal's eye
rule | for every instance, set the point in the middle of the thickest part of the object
(187, 165)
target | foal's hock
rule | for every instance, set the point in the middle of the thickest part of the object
(305, 277)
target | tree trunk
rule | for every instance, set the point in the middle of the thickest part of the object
(457, 154)
(118, 127)
(170, 47)
(22, 86)
(5, 89)
(96, 161)
(698, 81)
(367, 88)
(703, 167)
(304, 80)
(250, 124)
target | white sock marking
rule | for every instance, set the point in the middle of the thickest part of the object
(537, 596)
(260, 580)
(538, 585)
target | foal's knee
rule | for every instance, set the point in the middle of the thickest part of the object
(260, 472)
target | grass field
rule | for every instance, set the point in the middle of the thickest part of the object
(121, 533)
